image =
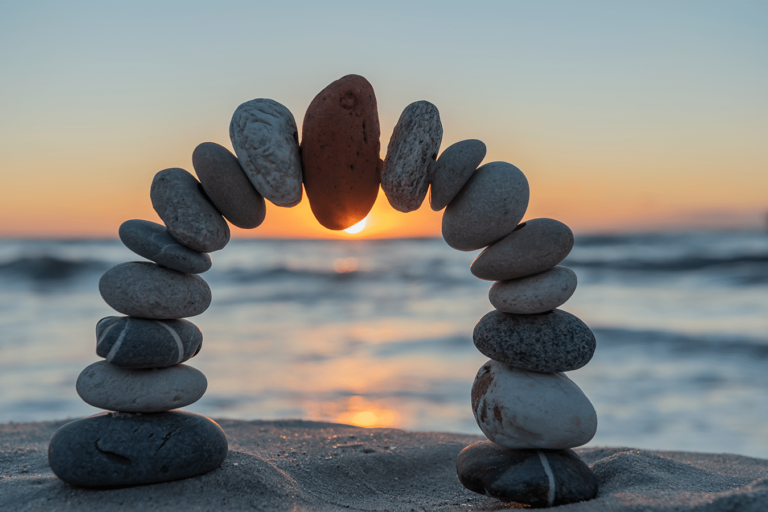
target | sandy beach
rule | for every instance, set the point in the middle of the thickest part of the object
(303, 465)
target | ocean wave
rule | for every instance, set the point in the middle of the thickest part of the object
(49, 268)
(682, 264)
(684, 343)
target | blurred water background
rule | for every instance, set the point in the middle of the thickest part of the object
(378, 333)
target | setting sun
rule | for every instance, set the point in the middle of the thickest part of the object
(357, 227)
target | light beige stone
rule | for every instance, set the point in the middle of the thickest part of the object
(534, 294)
(528, 410)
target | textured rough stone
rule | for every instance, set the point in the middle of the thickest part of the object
(488, 207)
(340, 152)
(227, 186)
(117, 449)
(520, 409)
(152, 241)
(452, 171)
(266, 141)
(533, 247)
(114, 388)
(548, 342)
(138, 343)
(411, 151)
(181, 203)
(539, 478)
(147, 290)
(538, 293)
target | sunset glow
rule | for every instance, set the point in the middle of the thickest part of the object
(353, 230)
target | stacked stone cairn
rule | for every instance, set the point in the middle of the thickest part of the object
(529, 410)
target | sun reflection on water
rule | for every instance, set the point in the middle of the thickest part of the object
(360, 412)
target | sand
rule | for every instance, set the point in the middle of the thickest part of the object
(300, 465)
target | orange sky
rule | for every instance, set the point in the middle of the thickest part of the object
(621, 118)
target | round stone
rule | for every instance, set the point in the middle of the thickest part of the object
(533, 247)
(411, 151)
(266, 141)
(539, 478)
(152, 241)
(227, 186)
(139, 343)
(520, 409)
(340, 152)
(179, 200)
(488, 207)
(118, 449)
(147, 290)
(452, 171)
(114, 388)
(538, 293)
(550, 342)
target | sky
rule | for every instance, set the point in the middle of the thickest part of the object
(624, 116)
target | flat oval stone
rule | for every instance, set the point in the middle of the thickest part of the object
(411, 151)
(114, 388)
(488, 207)
(266, 141)
(520, 409)
(340, 152)
(539, 478)
(147, 290)
(533, 247)
(118, 449)
(452, 171)
(550, 342)
(186, 211)
(152, 241)
(538, 293)
(139, 343)
(227, 186)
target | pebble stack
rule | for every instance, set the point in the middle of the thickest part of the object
(529, 410)
(142, 381)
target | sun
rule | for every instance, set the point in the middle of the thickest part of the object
(357, 227)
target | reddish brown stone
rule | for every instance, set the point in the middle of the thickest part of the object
(340, 152)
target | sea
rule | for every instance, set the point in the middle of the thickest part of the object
(378, 333)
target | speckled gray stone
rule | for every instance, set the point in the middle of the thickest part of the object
(452, 171)
(488, 207)
(147, 290)
(520, 409)
(139, 343)
(115, 388)
(549, 342)
(411, 151)
(534, 246)
(152, 241)
(118, 449)
(227, 186)
(538, 293)
(539, 478)
(180, 201)
(266, 141)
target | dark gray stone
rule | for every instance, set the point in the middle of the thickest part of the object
(140, 343)
(549, 342)
(152, 241)
(487, 208)
(532, 247)
(539, 478)
(119, 449)
(412, 150)
(180, 201)
(147, 290)
(114, 388)
(452, 171)
(227, 186)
